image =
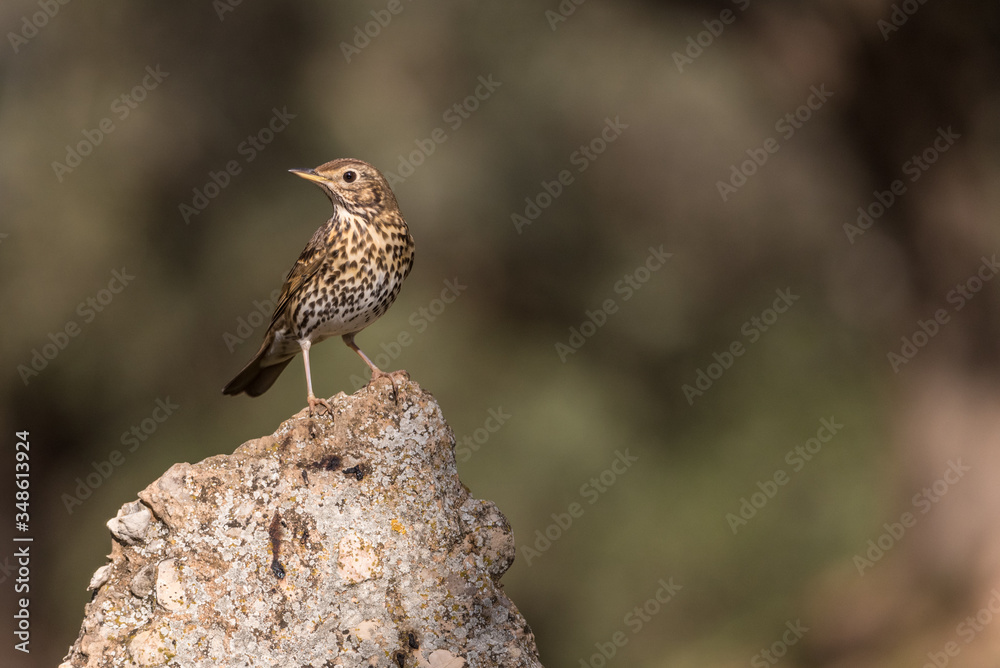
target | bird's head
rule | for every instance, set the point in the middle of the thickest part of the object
(352, 184)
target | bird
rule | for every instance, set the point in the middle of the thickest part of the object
(346, 277)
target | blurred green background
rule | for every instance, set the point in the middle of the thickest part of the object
(541, 152)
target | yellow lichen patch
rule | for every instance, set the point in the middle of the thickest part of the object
(397, 527)
(152, 647)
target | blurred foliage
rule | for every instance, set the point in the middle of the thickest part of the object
(555, 86)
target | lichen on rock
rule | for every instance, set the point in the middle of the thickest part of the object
(340, 540)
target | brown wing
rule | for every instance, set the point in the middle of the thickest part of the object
(309, 262)
(256, 377)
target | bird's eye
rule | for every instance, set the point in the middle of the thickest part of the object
(350, 175)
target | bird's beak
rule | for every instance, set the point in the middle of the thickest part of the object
(308, 174)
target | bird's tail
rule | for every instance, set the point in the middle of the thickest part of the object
(255, 379)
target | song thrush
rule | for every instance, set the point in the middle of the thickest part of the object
(346, 277)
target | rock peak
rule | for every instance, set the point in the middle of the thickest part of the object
(339, 540)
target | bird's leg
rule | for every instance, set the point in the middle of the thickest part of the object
(376, 372)
(305, 344)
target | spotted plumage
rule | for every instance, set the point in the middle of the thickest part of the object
(347, 276)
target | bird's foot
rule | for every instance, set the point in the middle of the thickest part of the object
(315, 403)
(378, 374)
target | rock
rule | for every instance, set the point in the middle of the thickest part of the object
(99, 577)
(131, 522)
(144, 581)
(340, 540)
(169, 586)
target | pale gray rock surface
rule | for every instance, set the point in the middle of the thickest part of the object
(340, 540)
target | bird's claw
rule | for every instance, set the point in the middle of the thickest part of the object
(378, 373)
(314, 403)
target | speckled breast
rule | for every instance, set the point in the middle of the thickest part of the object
(353, 290)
